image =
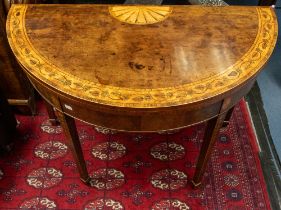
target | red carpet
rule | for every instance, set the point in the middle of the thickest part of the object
(132, 171)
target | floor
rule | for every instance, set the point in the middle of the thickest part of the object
(132, 171)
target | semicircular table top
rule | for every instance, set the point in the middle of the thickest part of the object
(142, 56)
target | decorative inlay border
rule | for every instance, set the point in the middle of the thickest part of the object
(242, 70)
(140, 15)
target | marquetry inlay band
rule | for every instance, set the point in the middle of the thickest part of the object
(140, 15)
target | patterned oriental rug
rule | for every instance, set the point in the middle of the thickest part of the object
(132, 171)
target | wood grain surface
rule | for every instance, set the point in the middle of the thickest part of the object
(194, 54)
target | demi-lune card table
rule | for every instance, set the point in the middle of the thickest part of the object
(142, 68)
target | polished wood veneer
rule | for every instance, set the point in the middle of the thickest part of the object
(103, 65)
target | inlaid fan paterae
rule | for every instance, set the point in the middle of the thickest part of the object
(140, 14)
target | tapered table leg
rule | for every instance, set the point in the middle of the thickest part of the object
(210, 137)
(70, 131)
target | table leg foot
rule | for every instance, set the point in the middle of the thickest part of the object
(54, 122)
(195, 185)
(86, 181)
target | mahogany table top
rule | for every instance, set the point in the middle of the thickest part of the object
(142, 56)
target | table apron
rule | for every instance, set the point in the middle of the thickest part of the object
(127, 119)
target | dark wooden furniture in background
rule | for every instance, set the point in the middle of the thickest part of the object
(267, 2)
(14, 83)
(138, 68)
(8, 124)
